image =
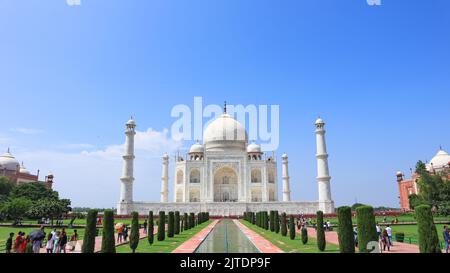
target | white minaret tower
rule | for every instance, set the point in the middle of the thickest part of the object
(165, 180)
(326, 204)
(126, 191)
(285, 173)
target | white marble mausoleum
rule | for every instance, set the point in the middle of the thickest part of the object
(226, 176)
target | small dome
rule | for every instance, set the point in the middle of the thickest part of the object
(196, 148)
(23, 169)
(284, 156)
(165, 156)
(131, 122)
(441, 160)
(399, 173)
(253, 148)
(9, 162)
(319, 121)
(225, 133)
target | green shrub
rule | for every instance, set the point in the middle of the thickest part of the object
(151, 228)
(90, 232)
(277, 222)
(134, 235)
(283, 225)
(321, 240)
(162, 226)
(108, 240)
(177, 223)
(367, 231)
(266, 220)
(304, 235)
(345, 230)
(171, 225)
(191, 220)
(186, 221)
(428, 236)
(292, 228)
(272, 221)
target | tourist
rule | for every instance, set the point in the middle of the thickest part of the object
(145, 226)
(329, 225)
(24, 243)
(63, 241)
(56, 244)
(28, 249)
(446, 236)
(385, 240)
(18, 242)
(355, 234)
(9, 243)
(49, 246)
(125, 233)
(389, 232)
(54, 234)
(120, 234)
(378, 231)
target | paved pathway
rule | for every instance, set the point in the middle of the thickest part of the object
(191, 245)
(261, 243)
(332, 238)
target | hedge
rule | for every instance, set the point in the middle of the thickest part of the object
(108, 241)
(177, 223)
(428, 236)
(272, 221)
(292, 228)
(304, 235)
(90, 232)
(283, 225)
(367, 231)
(151, 228)
(277, 222)
(186, 221)
(321, 240)
(162, 226)
(171, 225)
(345, 230)
(134, 235)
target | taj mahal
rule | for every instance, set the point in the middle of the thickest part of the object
(226, 176)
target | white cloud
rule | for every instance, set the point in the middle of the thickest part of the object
(27, 131)
(92, 178)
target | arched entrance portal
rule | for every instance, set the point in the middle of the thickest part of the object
(225, 185)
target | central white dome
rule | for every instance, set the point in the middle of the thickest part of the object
(441, 160)
(225, 133)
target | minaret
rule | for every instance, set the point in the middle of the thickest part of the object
(326, 204)
(165, 180)
(286, 186)
(126, 192)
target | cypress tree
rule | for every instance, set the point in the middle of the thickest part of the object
(253, 218)
(151, 228)
(171, 225)
(90, 232)
(345, 230)
(177, 222)
(191, 220)
(428, 236)
(134, 235)
(186, 221)
(304, 235)
(292, 228)
(367, 231)
(162, 226)
(108, 240)
(277, 222)
(272, 221)
(283, 225)
(321, 240)
(266, 220)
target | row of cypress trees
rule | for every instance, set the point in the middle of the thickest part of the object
(272, 221)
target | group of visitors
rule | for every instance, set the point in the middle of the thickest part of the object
(57, 242)
(122, 234)
(385, 237)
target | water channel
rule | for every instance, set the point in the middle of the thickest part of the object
(226, 237)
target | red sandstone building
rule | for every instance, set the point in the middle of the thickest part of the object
(18, 174)
(407, 187)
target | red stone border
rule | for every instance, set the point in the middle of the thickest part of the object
(261, 243)
(191, 245)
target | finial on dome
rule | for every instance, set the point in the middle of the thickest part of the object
(8, 151)
(225, 107)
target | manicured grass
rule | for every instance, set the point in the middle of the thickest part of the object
(401, 218)
(167, 246)
(291, 246)
(411, 233)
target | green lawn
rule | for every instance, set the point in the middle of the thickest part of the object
(410, 217)
(167, 246)
(411, 233)
(291, 246)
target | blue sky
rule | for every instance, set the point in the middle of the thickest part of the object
(70, 76)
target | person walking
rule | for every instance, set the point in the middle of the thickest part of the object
(49, 246)
(56, 239)
(389, 232)
(9, 243)
(120, 234)
(28, 246)
(24, 243)
(125, 233)
(145, 226)
(385, 240)
(379, 231)
(18, 242)
(63, 241)
(446, 235)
